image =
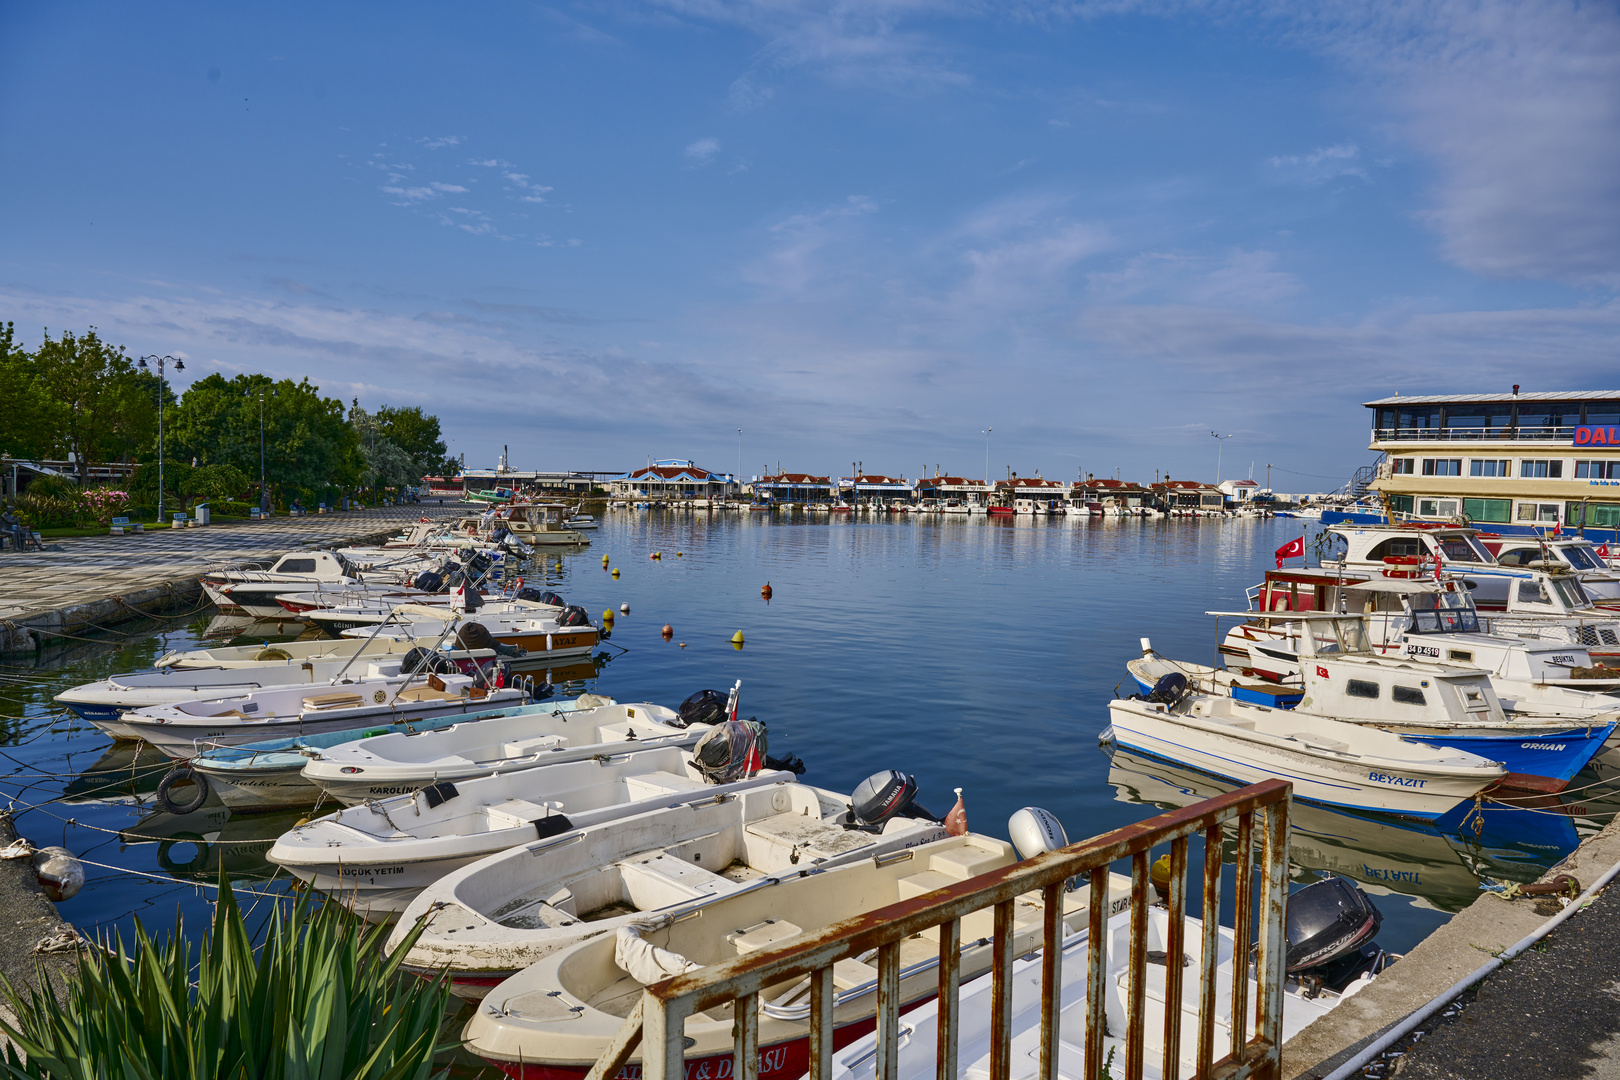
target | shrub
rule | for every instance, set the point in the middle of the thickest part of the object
(318, 999)
(104, 503)
(229, 507)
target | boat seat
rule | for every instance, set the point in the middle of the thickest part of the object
(968, 861)
(427, 693)
(653, 784)
(343, 700)
(1242, 722)
(514, 813)
(524, 747)
(664, 880)
(619, 732)
(760, 935)
(1320, 742)
(850, 972)
(923, 881)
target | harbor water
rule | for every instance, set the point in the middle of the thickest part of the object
(975, 653)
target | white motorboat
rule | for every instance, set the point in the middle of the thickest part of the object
(334, 614)
(310, 568)
(376, 694)
(176, 682)
(1410, 549)
(919, 1029)
(490, 920)
(296, 652)
(555, 1018)
(1328, 761)
(1572, 554)
(570, 634)
(397, 764)
(378, 855)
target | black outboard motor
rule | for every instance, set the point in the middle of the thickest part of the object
(475, 635)
(703, 707)
(428, 581)
(882, 797)
(1331, 926)
(1169, 689)
(427, 661)
(725, 753)
(540, 596)
(573, 615)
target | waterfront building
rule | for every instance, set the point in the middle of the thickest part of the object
(869, 486)
(1188, 495)
(1121, 494)
(1240, 492)
(945, 488)
(793, 488)
(1508, 463)
(1030, 487)
(673, 478)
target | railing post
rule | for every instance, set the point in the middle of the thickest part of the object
(1174, 949)
(1242, 920)
(888, 1012)
(1001, 994)
(1097, 972)
(950, 996)
(745, 1047)
(1270, 971)
(1051, 977)
(1136, 1003)
(663, 1040)
(1210, 954)
(821, 1024)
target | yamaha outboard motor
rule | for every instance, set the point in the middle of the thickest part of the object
(573, 615)
(1169, 689)
(1331, 926)
(703, 707)
(882, 797)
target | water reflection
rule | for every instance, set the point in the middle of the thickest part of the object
(1439, 868)
(199, 844)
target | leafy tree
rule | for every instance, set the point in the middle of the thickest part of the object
(29, 417)
(416, 433)
(219, 481)
(99, 404)
(384, 463)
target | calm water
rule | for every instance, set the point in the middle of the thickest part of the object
(974, 653)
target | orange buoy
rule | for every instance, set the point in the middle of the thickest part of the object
(668, 631)
(766, 591)
(656, 555)
(683, 644)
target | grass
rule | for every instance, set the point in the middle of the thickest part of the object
(316, 1001)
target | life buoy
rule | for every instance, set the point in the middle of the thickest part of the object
(1400, 573)
(182, 774)
(1403, 560)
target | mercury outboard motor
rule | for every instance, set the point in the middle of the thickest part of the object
(1169, 689)
(573, 615)
(881, 798)
(1330, 931)
(703, 707)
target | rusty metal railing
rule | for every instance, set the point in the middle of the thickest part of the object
(657, 1020)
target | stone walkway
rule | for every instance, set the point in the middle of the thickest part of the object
(105, 575)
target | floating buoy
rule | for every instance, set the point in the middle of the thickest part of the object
(624, 609)
(604, 560)
(607, 615)
(559, 565)
(615, 571)
(668, 631)
(737, 638)
(766, 591)
(59, 873)
(683, 644)
(656, 555)
(677, 554)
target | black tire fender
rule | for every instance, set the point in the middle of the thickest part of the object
(181, 774)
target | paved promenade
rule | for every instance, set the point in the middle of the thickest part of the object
(95, 581)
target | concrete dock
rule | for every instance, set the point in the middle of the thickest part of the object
(80, 586)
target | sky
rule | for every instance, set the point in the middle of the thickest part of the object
(600, 232)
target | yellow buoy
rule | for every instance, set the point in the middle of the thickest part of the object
(615, 571)
(737, 638)
(607, 615)
(677, 554)
(559, 566)
(604, 560)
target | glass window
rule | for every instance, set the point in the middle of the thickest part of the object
(1442, 466)
(1407, 695)
(1538, 511)
(1597, 470)
(1491, 510)
(1552, 414)
(1483, 417)
(1520, 557)
(1401, 504)
(1399, 545)
(1402, 466)
(1581, 558)
(1488, 467)
(1603, 412)
(1458, 549)
(1432, 508)
(1420, 418)
(1361, 688)
(1540, 469)
(1533, 592)
(1598, 515)
(1570, 591)
(296, 566)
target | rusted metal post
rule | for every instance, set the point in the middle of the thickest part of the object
(1001, 994)
(1136, 1001)
(745, 1047)
(1242, 918)
(1051, 977)
(888, 1011)
(1097, 972)
(623, 1045)
(663, 1039)
(1210, 954)
(950, 996)
(821, 1024)
(1271, 969)
(1174, 949)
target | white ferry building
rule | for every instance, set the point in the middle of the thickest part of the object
(1507, 463)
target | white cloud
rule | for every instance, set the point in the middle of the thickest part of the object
(441, 142)
(1319, 166)
(703, 150)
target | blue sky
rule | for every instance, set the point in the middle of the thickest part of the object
(603, 231)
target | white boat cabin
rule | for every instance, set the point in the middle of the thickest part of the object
(1575, 555)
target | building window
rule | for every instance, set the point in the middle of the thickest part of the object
(1529, 511)
(1401, 466)
(1401, 504)
(1437, 508)
(1597, 515)
(1442, 466)
(1541, 469)
(1488, 467)
(1550, 419)
(1597, 470)
(1491, 510)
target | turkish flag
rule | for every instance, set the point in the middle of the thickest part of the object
(1603, 551)
(1294, 549)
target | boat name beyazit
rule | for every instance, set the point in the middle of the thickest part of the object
(1514, 464)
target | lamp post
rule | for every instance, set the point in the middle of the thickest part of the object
(986, 434)
(1220, 444)
(179, 365)
(739, 463)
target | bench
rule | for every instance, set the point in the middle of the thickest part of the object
(656, 784)
(180, 521)
(426, 693)
(332, 701)
(119, 524)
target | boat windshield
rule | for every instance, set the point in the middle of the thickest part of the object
(1581, 558)
(1570, 591)
(1337, 636)
(1462, 549)
(1444, 613)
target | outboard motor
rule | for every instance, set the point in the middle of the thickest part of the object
(727, 751)
(428, 581)
(881, 798)
(1330, 930)
(475, 635)
(573, 615)
(540, 596)
(470, 600)
(1169, 690)
(703, 707)
(1035, 832)
(420, 660)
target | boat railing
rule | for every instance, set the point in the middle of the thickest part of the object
(656, 1022)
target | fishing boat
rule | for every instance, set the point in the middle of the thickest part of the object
(1569, 553)
(1314, 913)
(368, 695)
(568, 635)
(555, 1018)
(526, 738)
(378, 855)
(490, 920)
(270, 774)
(1410, 549)
(238, 591)
(1328, 761)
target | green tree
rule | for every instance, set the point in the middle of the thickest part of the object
(101, 407)
(29, 417)
(416, 433)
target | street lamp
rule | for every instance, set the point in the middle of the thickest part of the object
(179, 365)
(739, 463)
(1220, 444)
(264, 487)
(986, 433)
